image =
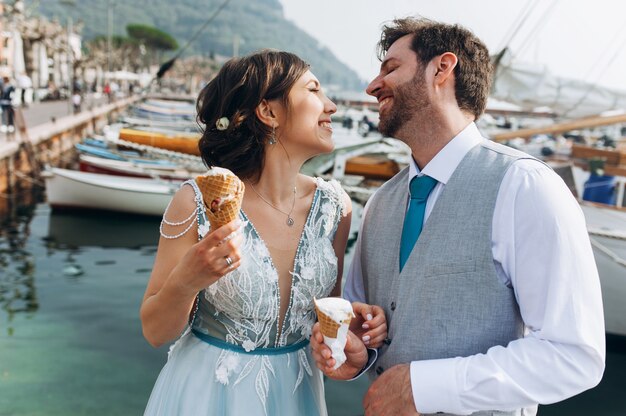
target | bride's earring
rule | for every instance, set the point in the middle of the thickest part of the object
(272, 139)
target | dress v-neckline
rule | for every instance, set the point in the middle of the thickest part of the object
(279, 331)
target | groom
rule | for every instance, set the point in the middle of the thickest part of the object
(478, 254)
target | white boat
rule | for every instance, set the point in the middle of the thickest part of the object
(74, 189)
(349, 143)
(189, 126)
(607, 232)
(531, 86)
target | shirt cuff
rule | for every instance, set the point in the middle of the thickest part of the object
(434, 386)
(372, 356)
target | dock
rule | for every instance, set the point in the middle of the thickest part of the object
(43, 133)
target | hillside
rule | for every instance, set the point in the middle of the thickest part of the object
(257, 24)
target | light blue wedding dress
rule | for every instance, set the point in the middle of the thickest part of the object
(233, 359)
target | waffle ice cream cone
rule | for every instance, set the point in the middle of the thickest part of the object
(222, 192)
(334, 316)
(328, 326)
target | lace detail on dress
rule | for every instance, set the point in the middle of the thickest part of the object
(334, 188)
(244, 304)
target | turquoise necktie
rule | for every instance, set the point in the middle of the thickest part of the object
(420, 187)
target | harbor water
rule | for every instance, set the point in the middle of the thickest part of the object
(70, 336)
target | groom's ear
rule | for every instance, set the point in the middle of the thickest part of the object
(266, 112)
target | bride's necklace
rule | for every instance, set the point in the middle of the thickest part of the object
(290, 220)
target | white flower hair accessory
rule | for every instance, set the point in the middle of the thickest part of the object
(222, 123)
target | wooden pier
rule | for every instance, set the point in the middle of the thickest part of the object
(25, 152)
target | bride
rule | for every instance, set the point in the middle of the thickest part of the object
(243, 294)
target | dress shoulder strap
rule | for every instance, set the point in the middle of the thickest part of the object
(333, 191)
(199, 212)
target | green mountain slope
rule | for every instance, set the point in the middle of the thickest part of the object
(256, 23)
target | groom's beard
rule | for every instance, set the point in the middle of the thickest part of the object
(410, 100)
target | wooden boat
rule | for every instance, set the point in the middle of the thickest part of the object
(81, 190)
(611, 157)
(179, 142)
(135, 168)
(136, 157)
(373, 166)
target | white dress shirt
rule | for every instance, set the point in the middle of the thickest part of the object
(541, 249)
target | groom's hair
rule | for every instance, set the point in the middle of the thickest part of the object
(473, 72)
(233, 95)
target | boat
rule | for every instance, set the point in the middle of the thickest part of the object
(532, 85)
(135, 168)
(607, 231)
(71, 189)
(372, 166)
(130, 150)
(178, 142)
(187, 126)
(174, 104)
(164, 113)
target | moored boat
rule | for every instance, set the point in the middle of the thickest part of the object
(82, 190)
(374, 166)
(133, 168)
(607, 231)
(179, 142)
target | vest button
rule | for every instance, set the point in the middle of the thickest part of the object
(387, 341)
(393, 306)
(379, 370)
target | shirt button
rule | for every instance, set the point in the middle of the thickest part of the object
(379, 370)
(387, 341)
(393, 306)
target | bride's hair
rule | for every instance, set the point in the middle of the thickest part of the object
(233, 137)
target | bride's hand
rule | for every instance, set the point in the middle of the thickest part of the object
(369, 324)
(209, 259)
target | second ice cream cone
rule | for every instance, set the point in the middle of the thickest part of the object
(328, 326)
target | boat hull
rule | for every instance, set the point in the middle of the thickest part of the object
(180, 143)
(81, 190)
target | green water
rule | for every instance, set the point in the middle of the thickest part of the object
(70, 336)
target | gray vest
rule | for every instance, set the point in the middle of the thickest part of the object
(448, 301)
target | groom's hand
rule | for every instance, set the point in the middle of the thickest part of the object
(391, 394)
(356, 355)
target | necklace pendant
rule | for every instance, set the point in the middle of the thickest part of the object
(290, 221)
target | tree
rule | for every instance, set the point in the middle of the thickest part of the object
(152, 37)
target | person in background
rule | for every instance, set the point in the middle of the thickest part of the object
(478, 253)
(24, 83)
(245, 290)
(6, 103)
(107, 91)
(77, 100)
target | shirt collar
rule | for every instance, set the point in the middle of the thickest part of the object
(446, 161)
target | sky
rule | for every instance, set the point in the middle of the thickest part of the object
(581, 39)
